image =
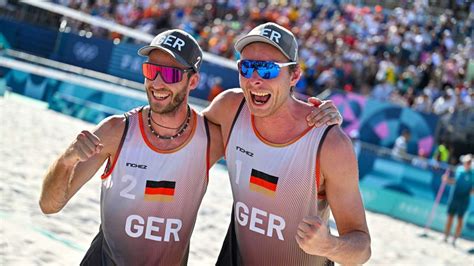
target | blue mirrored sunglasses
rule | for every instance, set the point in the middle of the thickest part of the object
(265, 69)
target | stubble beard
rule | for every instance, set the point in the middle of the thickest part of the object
(173, 107)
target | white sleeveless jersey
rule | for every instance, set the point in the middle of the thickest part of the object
(150, 198)
(274, 187)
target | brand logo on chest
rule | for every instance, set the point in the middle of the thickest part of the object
(134, 165)
(242, 150)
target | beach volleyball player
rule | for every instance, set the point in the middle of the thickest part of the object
(284, 175)
(157, 160)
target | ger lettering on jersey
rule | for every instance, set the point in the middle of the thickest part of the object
(271, 199)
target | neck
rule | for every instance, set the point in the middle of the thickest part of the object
(169, 121)
(287, 123)
(169, 126)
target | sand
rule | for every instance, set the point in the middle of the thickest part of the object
(31, 137)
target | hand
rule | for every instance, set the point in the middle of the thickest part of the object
(445, 178)
(325, 113)
(84, 147)
(313, 236)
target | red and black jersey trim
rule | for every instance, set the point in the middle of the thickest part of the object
(208, 150)
(233, 122)
(318, 163)
(111, 162)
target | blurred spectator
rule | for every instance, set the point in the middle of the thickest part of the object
(400, 147)
(383, 91)
(422, 103)
(397, 55)
(458, 203)
(445, 103)
(215, 89)
(441, 153)
(421, 160)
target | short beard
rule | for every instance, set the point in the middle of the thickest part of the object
(172, 108)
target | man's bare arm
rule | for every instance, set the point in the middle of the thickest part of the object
(339, 169)
(79, 163)
(341, 177)
(222, 110)
(217, 146)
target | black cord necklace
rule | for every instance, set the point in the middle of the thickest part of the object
(180, 132)
(160, 125)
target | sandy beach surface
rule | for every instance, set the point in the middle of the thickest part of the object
(31, 137)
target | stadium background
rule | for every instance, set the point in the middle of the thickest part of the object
(90, 72)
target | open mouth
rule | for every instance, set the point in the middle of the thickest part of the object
(160, 95)
(260, 98)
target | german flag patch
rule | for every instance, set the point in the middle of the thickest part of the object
(162, 191)
(263, 183)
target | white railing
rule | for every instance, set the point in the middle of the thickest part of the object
(112, 26)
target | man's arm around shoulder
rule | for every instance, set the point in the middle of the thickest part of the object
(221, 108)
(216, 144)
(79, 162)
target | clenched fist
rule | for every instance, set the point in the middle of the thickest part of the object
(84, 147)
(313, 236)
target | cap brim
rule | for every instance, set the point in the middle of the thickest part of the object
(244, 41)
(466, 158)
(146, 50)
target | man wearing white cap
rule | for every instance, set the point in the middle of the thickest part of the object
(458, 203)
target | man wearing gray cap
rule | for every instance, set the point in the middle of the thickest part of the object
(285, 175)
(153, 182)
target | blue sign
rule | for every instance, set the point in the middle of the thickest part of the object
(126, 63)
(90, 53)
(209, 74)
(28, 38)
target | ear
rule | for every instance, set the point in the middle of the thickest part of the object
(295, 75)
(194, 81)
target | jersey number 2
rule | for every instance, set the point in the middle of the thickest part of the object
(126, 191)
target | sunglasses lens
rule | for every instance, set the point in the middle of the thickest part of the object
(168, 74)
(268, 70)
(150, 71)
(171, 74)
(246, 68)
(265, 69)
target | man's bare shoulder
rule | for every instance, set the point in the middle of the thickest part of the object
(336, 142)
(223, 107)
(230, 96)
(110, 131)
(338, 160)
(112, 123)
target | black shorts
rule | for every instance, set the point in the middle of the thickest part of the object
(95, 255)
(230, 254)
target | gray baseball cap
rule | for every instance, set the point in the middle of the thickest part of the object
(179, 44)
(274, 35)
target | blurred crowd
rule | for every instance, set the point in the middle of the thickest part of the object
(406, 55)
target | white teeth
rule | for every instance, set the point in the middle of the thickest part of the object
(160, 95)
(259, 93)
